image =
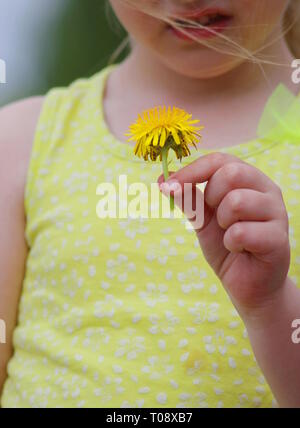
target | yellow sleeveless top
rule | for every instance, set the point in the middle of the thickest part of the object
(124, 312)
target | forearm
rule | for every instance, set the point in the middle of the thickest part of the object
(3, 376)
(270, 334)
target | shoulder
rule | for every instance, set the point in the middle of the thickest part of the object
(18, 122)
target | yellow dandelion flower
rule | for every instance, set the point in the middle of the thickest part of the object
(159, 129)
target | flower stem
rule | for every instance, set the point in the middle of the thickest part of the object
(164, 156)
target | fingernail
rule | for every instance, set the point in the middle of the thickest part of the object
(170, 186)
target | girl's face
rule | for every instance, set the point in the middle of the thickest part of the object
(230, 31)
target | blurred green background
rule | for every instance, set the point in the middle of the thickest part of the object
(74, 38)
(85, 36)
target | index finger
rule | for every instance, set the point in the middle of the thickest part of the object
(201, 169)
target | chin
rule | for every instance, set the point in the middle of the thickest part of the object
(205, 69)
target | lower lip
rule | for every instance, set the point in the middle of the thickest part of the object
(201, 33)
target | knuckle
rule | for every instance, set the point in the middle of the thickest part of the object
(286, 217)
(237, 233)
(217, 158)
(232, 172)
(235, 202)
(283, 238)
(279, 190)
(282, 213)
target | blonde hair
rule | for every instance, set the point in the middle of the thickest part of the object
(290, 30)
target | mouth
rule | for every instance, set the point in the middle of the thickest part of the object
(212, 21)
(206, 20)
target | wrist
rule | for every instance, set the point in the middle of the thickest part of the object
(281, 305)
(270, 334)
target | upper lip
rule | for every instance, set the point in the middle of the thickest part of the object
(200, 13)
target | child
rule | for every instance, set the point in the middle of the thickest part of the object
(123, 312)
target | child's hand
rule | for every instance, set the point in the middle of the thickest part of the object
(245, 232)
